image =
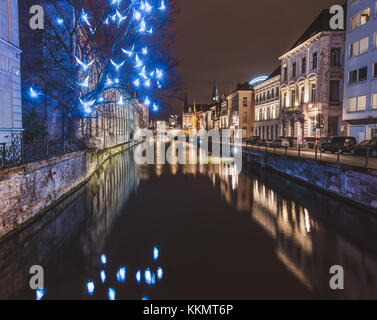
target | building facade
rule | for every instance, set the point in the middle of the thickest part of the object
(241, 104)
(312, 75)
(267, 107)
(10, 74)
(360, 85)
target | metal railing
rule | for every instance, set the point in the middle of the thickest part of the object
(366, 161)
(19, 152)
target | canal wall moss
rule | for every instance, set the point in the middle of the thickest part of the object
(352, 183)
(28, 190)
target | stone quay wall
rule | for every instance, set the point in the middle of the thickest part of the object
(356, 184)
(28, 190)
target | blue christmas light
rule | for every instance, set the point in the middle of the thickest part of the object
(39, 294)
(33, 93)
(156, 252)
(103, 276)
(121, 274)
(160, 273)
(103, 259)
(111, 294)
(90, 287)
(147, 102)
(138, 276)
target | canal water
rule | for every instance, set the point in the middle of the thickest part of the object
(192, 232)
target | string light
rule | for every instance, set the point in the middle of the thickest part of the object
(141, 20)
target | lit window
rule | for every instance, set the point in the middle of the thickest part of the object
(374, 101)
(357, 103)
(360, 19)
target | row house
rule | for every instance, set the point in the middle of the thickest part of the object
(267, 106)
(312, 75)
(241, 110)
(360, 85)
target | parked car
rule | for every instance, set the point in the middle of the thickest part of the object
(311, 142)
(279, 143)
(341, 144)
(263, 143)
(252, 140)
(362, 148)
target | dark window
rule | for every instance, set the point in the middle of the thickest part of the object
(335, 57)
(334, 90)
(285, 74)
(375, 70)
(294, 69)
(303, 67)
(363, 74)
(353, 76)
(315, 60)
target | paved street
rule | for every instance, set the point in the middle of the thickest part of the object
(310, 154)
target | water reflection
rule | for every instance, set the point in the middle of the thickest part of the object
(183, 231)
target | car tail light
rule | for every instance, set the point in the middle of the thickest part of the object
(345, 144)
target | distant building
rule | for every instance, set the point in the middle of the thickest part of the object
(224, 113)
(360, 85)
(242, 110)
(267, 106)
(312, 83)
(10, 75)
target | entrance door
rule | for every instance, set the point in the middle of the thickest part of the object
(333, 126)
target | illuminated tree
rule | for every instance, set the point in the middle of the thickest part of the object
(98, 52)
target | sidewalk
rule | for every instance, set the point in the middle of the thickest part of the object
(357, 161)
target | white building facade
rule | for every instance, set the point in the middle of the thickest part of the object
(267, 107)
(360, 85)
(312, 75)
(10, 76)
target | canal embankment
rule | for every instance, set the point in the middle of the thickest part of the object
(352, 183)
(30, 189)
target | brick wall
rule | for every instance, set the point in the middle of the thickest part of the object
(355, 183)
(29, 189)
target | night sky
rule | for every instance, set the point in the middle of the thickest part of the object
(231, 40)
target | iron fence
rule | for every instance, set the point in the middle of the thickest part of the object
(19, 152)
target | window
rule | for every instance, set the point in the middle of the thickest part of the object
(354, 49)
(363, 74)
(375, 70)
(277, 93)
(293, 97)
(245, 117)
(374, 101)
(364, 44)
(358, 75)
(315, 58)
(302, 95)
(375, 39)
(245, 101)
(284, 100)
(314, 92)
(303, 65)
(335, 56)
(353, 76)
(334, 90)
(357, 103)
(285, 73)
(294, 69)
(359, 47)
(360, 19)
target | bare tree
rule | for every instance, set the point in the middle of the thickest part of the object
(93, 53)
